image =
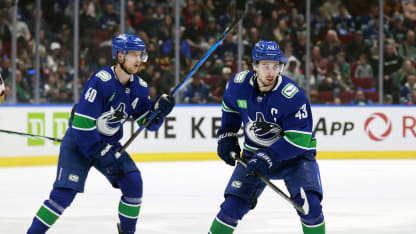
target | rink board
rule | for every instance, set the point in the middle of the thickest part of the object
(344, 132)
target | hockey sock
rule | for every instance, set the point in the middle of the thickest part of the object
(314, 229)
(131, 186)
(314, 222)
(128, 212)
(232, 210)
(220, 227)
(51, 210)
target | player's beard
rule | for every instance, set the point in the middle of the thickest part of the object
(129, 69)
(266, 82)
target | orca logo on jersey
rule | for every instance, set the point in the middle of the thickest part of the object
(262, 132)
(109, 122)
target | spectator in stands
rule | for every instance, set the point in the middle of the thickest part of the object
(332, 7)
(388, 99)
(407, 89)
(327, 84)
(342, 81)
(185, 49)
(5, 68)
(343, 21)
(218, 92)
(364, 69)
(360, 98)
(87, 16)
(22, 89)
(371, 35)
(399, 77)
(228, 46)
(212, 29)
(194, 31)
(319, 23)
(51, 88)
(5, 34)
(392, 63)
(412, 101)
(390, 7)
(408, 48)
(22, 30)
(298, 25)
(281, 31)
(331, 46)
(398, 30)
(337, 101)
(292, 70)
(356, 47)
(409, 10)
(109, 17)
(343, 65)
(196, 92)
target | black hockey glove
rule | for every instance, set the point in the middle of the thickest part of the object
(227, 143)
(261, 162)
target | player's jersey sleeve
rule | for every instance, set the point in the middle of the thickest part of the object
(143, 108)
(297, 127)
(88, 109)
(231, 119)
(144, 104)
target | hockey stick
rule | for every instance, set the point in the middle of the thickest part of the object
(303, 209)
(30, 135)
(240, 13)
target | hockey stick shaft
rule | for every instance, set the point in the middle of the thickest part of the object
(240, 14)
(30, 135)
(303, 209)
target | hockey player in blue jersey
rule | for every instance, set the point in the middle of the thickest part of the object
(278, 140)
(111, 96)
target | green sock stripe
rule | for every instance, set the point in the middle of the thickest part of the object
(47, 216)
(219, 227)
(315, 229)
(129, 210)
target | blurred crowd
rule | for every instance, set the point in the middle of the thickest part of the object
(344, 51)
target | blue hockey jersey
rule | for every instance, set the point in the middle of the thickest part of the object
(103, 107)
(280, 119)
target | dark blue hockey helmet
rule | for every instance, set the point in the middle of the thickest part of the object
(268, 50)
(126, 42)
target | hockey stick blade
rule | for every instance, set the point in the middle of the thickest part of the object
(240, 15)
(302, 209)
(30, 135)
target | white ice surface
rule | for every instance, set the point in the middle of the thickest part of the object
(360, 197)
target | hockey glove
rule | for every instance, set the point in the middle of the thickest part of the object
(107, 162)
(261, 162)
(164, 104)
(228, 143)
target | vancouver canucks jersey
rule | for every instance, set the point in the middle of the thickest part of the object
(280, 119)
(105, 104)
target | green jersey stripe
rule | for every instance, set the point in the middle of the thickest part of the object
(83, 122)
(47, 215)
(250, 148)
(128, 210)
(141, 119)
(300, 139)
(227, 109)
(219, 227)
